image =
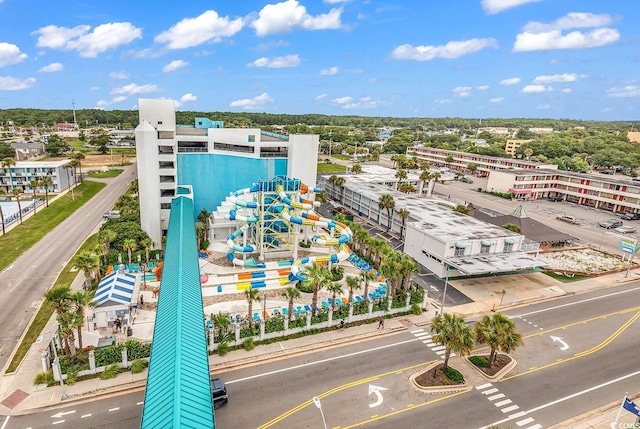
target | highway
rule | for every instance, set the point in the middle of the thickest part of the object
(23, 284)
(590, 363)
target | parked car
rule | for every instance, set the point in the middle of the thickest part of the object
(555, 199)
(218, 393)
(569, 219)
(610, 223)
(625, 229)
(113, 214)
(466, 180)
(630, 216)
(607, 172)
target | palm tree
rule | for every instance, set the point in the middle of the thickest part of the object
(499, 333)
(356, 169)
(59, 297)
(67, 167)
(291, 293)
(339, 182)
(79, 300)
(335, 288)
(366, 276)
(78, 156)
(387, 203)
(402, 214)
(46, 182)
(400, 175)
(16, 192)
(75, 164)
(86, 261)
(425, 175)
(319, 276)
(34, 187)
(251, 295)
(453, 334)
(2, 215)
(147, 245)
(69, 322)
(472, 167)
(7, 163)
(461, 208)
(105, 238)
(528, 152)
(222, 322)
(435, 176)
(391, 269)
(353, 284)
(129, 245)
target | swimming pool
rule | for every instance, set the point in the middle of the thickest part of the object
(9, 208)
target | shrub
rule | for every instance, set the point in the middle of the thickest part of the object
(248, 344)
(453, 375)
(224, 348)
(479, 361)
(415, 309)
(305, 286)
(44, 378)
(337, 273)
(110, 372)
(138, 365)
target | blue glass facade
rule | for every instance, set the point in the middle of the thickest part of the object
(214, 176)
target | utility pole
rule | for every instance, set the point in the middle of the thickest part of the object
(75, 123)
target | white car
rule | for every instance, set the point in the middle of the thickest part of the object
(625, 229)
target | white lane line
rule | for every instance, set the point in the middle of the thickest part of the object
(114, 409)
(484, 386)
(490, 391)
(6, 420)
(494, 397)
(435, 349)
(321, 361)
(58, 422)
(140, 403)
(516, 415)
(577, 302)
(85, 416)
(537, 426)
(525, 421)
(503, 403)
(416, 331)
(509, 409)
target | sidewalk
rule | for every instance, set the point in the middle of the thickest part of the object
(19, 395)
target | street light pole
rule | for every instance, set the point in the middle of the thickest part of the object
(56, 362)
(316, 401)
(446, 282)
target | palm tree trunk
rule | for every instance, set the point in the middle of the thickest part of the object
(314, 300)
(290, 310)
(250, 309)
(46, 195)
(2, 220)
(80, 336)
(492, 357)
(19, 208)
(447, 353)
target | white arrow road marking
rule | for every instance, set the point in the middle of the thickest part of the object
(564, 347)
(433, 287)
(376, 390)
(62, 413)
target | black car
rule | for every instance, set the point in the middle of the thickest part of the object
(555, 199)
(630, 216)
(218, 393)
(610, 172)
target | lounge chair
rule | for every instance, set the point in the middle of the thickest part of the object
(285, 311)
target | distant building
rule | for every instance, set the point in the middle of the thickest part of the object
(634, 136)
(65, 126)
(512, 145)
(541, 130)
(24, 172)
(27, 151)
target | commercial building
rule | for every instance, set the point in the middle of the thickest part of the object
(512, 145)
(444, 241)
(460, 161)
(207, 161)
(22, 173)
(599, 191)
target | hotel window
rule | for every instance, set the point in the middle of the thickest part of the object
(167, 192)
(252, 138)
(508, 247)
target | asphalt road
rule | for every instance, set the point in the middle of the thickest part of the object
(590, 363)
(23, 284)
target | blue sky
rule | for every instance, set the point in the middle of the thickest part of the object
(427, 58)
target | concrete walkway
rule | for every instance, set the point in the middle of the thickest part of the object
(19, 395)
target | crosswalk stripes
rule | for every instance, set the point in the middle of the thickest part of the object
(506, 405)
(427, 340)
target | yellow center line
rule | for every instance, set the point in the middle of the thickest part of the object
(581, 354)
(338, 389)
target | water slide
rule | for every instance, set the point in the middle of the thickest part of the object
(239, 213)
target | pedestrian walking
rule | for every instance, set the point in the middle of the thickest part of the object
(381, 322)
(141, 300)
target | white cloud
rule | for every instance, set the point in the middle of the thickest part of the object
(364, 103)
(53, 67)
(270, 45)
(277, 62)
(133, 88)
(482, 87)
(496, 6)
(342, 100)
(566, 90)
(624, 92)
(174, 65)
(538, 36)
(94, 88)
(209, 26)
(188, 97)
(564, 77)
(321, 96)
(10, 54)
(535, 88)
(336, 1)
(496, 100)
(290, 15)
(510, 81)
(88, 44)
(104, 103)
(443, 101)
(119, 75)
(451, 50)
(10, 83)
(461, 91)
(253, 103)
(570, 20)
(330, 71)
(544, 106)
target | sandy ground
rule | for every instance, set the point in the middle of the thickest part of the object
(586, 260)
(93, 161)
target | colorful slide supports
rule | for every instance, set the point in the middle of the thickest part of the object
(234, 214)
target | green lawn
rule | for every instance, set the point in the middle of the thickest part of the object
(565, 279)
(22, 237)
(104, 174)
(331, 168)
(341, 156)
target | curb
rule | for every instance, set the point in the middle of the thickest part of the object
(464, 387)
(493, 378)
